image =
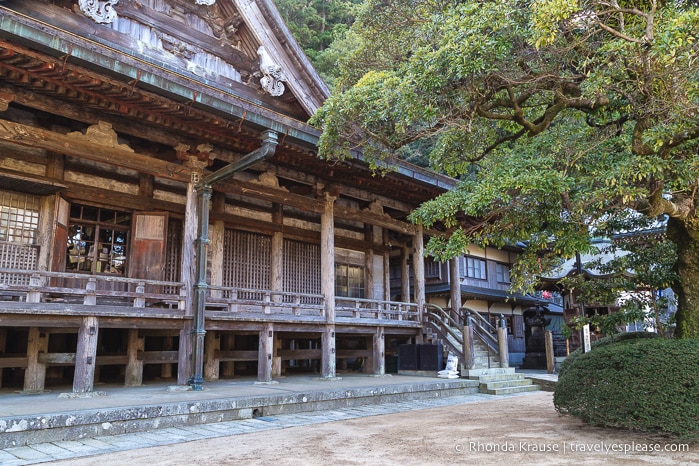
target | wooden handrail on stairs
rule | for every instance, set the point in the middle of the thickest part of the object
(446, 327)
(450, 331)
(484, 331)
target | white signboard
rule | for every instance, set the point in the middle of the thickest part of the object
(586, 338)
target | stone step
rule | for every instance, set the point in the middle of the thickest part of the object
(493, 385)
(511, 390)
(475, 373)
(497, 377)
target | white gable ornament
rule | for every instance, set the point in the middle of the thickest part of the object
(99, 11)
(272, 74)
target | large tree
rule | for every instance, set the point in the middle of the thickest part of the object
(559, 117)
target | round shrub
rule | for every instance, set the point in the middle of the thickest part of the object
(572, 357)
(646, 384)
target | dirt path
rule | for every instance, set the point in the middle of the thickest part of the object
(520, 430)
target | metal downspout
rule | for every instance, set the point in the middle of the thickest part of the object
(204, 190)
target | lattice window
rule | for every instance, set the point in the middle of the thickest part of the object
(247, 261)
(97, 240)
(301, 268)
(19, 223)
(19, 217)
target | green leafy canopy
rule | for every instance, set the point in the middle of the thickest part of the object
(556, 115)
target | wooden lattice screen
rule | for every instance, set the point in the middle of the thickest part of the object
(301, 268)
(19, 220)
(17, 256)
(173, 254)
(247, 261)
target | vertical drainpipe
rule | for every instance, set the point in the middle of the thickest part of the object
(269, 145)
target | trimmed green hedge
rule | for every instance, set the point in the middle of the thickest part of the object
(634, 382)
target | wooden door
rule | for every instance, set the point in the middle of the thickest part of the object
(148, 245)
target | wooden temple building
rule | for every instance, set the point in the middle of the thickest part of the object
(164, 213)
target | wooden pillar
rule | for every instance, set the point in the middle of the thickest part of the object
(277, 265)
(419, 272)
(227, 368)
(503, 349)
(265, 353)
(212, 344)
(405, 275)
(85, 355)
(134, 368)
(379, 351)
(35, 375)
(369, 264)
(455, 283)
(327, 277)
(469, 347)
(217, 232)
(166, 369)
(548, 341)
(276, 360)
(386, 269)
(329, 362)
(216, 238)
(188, 268)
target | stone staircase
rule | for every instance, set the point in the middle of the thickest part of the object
(492, 379)
(500, 381)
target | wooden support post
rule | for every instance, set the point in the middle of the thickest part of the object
(379, 350)
(327, 257)
(35, 375)
(277, 265)
(455, 283)
(85, 355)
(266, 353)
(419, 272)
(327, 274)
(227, 368)
(328, 362)
(386, 265)
(469, 348)
(166, 369)
(405, 275)
(134, 368)
(216, 240)
(277, 360)
(184, 360)
(212, 344)
(184, 363)
(503, 348)
(548, 340)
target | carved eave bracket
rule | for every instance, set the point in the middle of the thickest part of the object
(102, 134)
(5, 99)
(99, 11)
(272, 74)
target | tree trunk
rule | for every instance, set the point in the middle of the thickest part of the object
(687, 290)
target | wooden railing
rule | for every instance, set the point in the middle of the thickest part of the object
(45, 287)
(250, 300)
(33, 286)
(358, 308)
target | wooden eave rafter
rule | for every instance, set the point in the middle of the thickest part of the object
(67, 88)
